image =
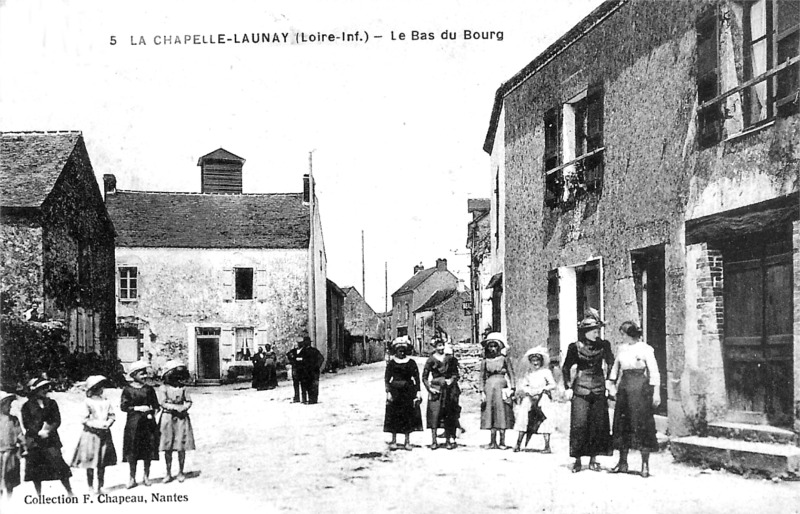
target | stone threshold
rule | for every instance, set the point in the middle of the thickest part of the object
(739, 455)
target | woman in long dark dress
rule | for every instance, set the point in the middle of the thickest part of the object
(589, 427)
(440, 377)
(271, 367)
(637, 396)
(401, 379)
(260, 369)
(141, 436)
(497, 384)
(41, 419)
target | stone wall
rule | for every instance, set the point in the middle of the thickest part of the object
(21, 263)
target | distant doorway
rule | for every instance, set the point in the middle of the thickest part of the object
(208, 353)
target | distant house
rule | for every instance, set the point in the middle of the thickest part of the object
(486, 308)
(336, 331)
(57, 240)
(210, 276)
(446, 314)
(416, 291)
(364, 329)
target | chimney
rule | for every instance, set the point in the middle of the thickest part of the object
(441, 264)
(419, 267)
(221, 172)
(306, 188)
(109, 184)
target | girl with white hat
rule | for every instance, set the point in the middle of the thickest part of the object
(95, 448)
(176, 427)
(11, 441)
(141, 438)
(497, 382)
(533, 394)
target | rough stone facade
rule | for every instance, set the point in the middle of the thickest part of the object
(656, 180)
(21, 263)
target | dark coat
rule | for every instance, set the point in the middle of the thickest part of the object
(308, 363)
(141, 437)
(44, 461)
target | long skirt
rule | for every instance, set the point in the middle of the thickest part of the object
(589, 427)
(402, 413)
(496, 412)
(271, 374)
(634, 425)
(443, 409)
(533, 415)
(141, 438)
(259, 377)
(45, 463)
(9, 469)
(95, 450)
(176, 433)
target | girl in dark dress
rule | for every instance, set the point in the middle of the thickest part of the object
(41, 419)
(440, 377)
(141, 438)
(637, 396)
(403, 415)
(589, 427)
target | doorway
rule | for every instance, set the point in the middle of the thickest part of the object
(208, 353)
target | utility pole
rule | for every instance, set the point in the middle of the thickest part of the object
(313, 250)
(386, 324)
(364, 293)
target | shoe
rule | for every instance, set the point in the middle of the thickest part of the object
(547, 450)
(168, 479)
(452, 446)
(645, 470)
(407, 447)
(392, 446)
(502, 446)
(435, 446)
(576, 467)
(492, 446)
(181, 477)
(621, 467)
(146, 481)
(516, 449)
(594, 466)
(131, 483)
(97, 490)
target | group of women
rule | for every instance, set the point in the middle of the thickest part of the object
(523, 401)
(155, 423)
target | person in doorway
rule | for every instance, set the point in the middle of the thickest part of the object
(11, 444)
(291, 359)
(534, 391)
(270, 367)
(175, 426)
(95, 450)
(309, 361)
(141, 438)
(260, 369)
(635, 372)
(497, 385)
(440, 377)
(402, 384)
(41, 419)
(590, 431)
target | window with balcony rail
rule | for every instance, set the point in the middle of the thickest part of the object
(748, 66)
(573, 155)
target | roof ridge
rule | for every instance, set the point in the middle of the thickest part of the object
(39, 132)
(199, 193)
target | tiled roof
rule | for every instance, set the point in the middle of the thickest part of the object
(436, 299)
(198, 220)
(413, 282)
(30, 164)
(220, 154)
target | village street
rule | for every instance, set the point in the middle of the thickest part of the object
(257, 450)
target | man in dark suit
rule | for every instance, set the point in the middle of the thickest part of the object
(309, 361)
(291, 357)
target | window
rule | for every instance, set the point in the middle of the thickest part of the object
(128, 284)
(748, 66)
(244, 344)
(244, 283)
(573, 154)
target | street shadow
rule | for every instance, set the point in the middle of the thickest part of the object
(140, 486)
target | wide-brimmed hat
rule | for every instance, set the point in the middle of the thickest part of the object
(497, 337)
(591, 320)
(401, 341)
(4, 396)
(172, 365)
(540, 351)
(137, 367)
(37, 383)
(95, 381)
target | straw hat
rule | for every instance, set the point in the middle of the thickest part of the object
(540, 351)
(172, 365)
(401, 341)
(4, 396)
(94, 381)
(497, 337)
(37, 383)
(137, 367)
(591, 320)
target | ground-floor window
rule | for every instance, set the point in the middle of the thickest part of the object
(244, 343)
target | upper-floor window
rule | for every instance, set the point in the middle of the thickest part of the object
(748, 66)
(244, 283)
(128, 283)
(573, 153)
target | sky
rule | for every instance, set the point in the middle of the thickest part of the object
(396, 125)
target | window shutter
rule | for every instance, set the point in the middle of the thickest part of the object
(260, 291)
(228, 292)
(594, 118)
(117, 282)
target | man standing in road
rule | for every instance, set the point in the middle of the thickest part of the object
(291, 357)
(309, 361)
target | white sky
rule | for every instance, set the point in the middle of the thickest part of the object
(398, 126)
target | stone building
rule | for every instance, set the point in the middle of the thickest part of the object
(364, 329)
(57, 254)
(646, 165)
(479, 241)
(416, 291)
(210, 276)
(336, 332)
(446, 314)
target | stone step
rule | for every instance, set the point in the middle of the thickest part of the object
(753, 433)
(207, 382)
(738, 455)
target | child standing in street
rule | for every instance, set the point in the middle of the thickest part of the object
(534, 391)
(95, 448)
(140, 442)
(176, 427)
(11, 440)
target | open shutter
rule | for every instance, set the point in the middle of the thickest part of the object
(260, 291)
(228, 292)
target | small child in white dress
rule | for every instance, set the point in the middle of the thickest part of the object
(533, 399)
(95, 450)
